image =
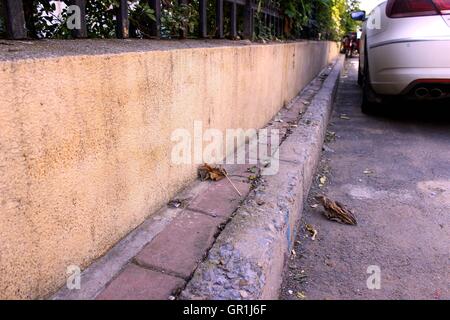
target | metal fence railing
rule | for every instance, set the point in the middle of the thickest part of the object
(270, 17)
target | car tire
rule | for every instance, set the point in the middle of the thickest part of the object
(368, 106)
(369, 101)
(360, 76)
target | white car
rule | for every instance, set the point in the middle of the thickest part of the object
(405, 51)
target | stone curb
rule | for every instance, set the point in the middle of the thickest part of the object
(156, 259)
(247, 259)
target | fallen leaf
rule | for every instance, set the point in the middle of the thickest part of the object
(207, 172)
(174, 203)
(345, 117)
(300, 295)
(336, 211)
(323, 179)
(368, 171)
(315, 205)
(330, 136)
(312, 231)
(178, 203)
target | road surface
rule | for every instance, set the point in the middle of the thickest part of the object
(393, 171)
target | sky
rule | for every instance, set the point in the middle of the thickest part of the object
(368, 5)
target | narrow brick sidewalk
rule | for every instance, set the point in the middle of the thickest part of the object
(160, 270)
(157, 259)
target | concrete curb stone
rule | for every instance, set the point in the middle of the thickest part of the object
(247, 259)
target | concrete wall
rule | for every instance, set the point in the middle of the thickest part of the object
(85, 142)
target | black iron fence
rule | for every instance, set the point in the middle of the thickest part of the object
(269, 17)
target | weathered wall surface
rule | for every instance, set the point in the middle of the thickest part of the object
(85, 142)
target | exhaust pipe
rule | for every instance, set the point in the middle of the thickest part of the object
(436, 93)
(421, 92)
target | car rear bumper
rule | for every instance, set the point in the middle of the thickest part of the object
(395, 65)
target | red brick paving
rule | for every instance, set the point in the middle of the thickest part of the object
(136, 283)
(221, 199)
(181, 245)
(161, 267)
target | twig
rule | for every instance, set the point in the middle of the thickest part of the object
(226, 176)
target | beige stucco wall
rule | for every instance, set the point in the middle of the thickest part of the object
(85, 142)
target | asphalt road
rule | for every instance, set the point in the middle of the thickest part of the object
(393, 171)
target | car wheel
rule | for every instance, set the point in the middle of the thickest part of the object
(369, 102)
(367, 105)
(360, 76)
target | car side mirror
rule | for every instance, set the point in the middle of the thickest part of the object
(359, 15)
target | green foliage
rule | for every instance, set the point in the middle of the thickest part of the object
(141, 16)
(316, 19)
(321, 19)
(262, 30)
(100, 19)
(176, 18)
(299, 16)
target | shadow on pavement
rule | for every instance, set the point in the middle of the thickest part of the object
(416, 112)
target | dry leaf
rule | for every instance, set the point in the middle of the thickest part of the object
(315, 205)
(368, 171)
(300, 295)
(330, 136)
(322, 181)
(312, 231)
(345, 117)
(174, 203)
(207, 172)
(336, 211)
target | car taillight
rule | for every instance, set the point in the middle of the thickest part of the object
(443, 6)
(414, 8)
